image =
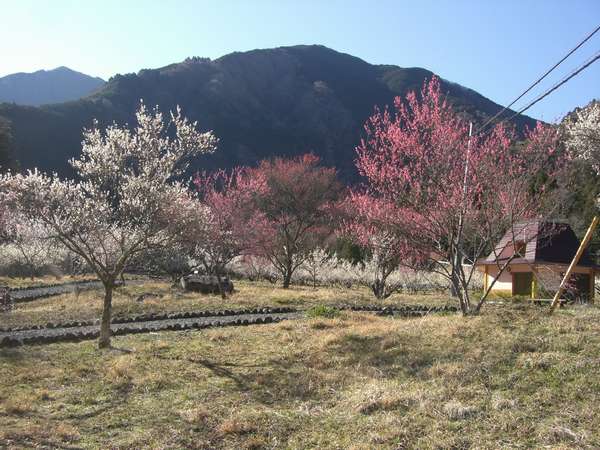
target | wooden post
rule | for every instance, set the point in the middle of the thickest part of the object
(485, 279)
(584, 243)
(592, 285)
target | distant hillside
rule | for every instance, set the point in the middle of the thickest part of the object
(47, 86)
(280, 101)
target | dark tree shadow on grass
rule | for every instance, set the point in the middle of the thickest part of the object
(289, 378)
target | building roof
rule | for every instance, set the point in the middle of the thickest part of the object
(547, 242)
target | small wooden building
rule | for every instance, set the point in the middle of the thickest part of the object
(543, 251)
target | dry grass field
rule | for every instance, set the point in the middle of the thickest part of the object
(510, 378)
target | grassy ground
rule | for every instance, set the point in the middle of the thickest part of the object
(88, 305)
(511, 378)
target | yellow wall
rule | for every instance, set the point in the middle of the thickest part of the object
(503, 285)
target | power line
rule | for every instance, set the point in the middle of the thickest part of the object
(556, 86)
(540, 79)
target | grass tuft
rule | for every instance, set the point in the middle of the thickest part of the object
(557, 434)
(455, 410)
(234, 426)
(323, 311)
(195, 416)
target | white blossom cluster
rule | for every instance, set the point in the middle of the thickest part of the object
(324, 269)
(126, 200)
(583, 134)
(253, 268)
(29, 251)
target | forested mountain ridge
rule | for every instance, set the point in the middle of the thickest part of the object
(280, 101)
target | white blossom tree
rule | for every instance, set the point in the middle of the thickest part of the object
(127, 199)
(317, 263)
(583, 134)
(28, 246)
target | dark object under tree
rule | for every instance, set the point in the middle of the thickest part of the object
(207, 284)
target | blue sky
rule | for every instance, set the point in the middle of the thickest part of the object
(495, 47)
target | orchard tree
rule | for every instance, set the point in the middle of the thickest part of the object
(293, 209)
(221, 238)
(446, 197)
(127, 200)
(5, 199)
(254, 268)
(5, 145)
(317, 264)
(369, 222)
(583, 134)
(172, 261)
(28, 245)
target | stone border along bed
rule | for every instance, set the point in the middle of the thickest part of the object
(153, 317)
(49, 285)
(78, 331)
(31, 293)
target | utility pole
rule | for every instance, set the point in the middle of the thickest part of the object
(458, 245)
(584, 243)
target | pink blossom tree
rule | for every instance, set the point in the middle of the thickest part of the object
(366, 223)
(221, 237)
(445, 197)
(290, 208)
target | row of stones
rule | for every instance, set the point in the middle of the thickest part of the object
(53, 290)
(400, 309)
(76, 336)
(43, 296)
(52, 285)
(383, 310)
(154, 316)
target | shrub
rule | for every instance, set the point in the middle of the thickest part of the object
(328, 312)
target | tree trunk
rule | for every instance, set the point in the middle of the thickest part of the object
(105, 332)
(455, 287)
(454, 282)
(287, 275)
(378, 287)
(221, 290)
(287, 278)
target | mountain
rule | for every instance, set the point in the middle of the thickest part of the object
(47, 86)
(280, 101)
